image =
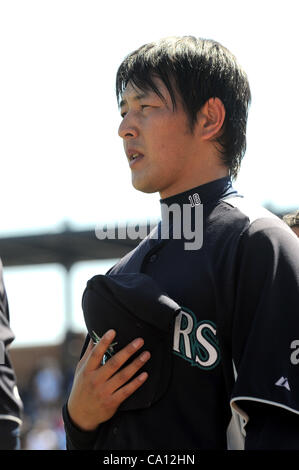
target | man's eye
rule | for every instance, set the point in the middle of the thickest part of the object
(143, 106)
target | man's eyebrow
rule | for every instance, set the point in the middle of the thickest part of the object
(137, 97)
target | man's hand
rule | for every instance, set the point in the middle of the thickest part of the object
(98, 390)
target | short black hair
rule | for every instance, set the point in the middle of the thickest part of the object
(199, 69)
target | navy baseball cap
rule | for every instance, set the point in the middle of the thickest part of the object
(134, 306)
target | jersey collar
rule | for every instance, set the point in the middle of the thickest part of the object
(203, 194)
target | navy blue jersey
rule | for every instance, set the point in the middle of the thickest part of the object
(236, 339)
(10, 403)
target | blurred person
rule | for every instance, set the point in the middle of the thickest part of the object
(231, 377)
(48, 382)
(292, 220)
(11, 406)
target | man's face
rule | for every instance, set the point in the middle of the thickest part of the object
(157, 140)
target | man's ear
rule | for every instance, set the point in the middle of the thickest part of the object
(211, 118)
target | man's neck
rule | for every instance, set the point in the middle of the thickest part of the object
(195, 179)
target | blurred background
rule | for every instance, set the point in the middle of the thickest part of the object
(64, 173)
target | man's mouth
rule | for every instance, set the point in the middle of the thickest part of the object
(135, 157)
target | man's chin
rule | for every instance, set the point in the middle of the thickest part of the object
(143, 187)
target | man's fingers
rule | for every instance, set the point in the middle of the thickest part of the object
(97, 352)
(116, 361)
(87, 350)
(119, 359)
(85, 355)
(125, 374)
(127, 390)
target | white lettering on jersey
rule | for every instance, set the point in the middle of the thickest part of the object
(295, 354)
(212, 352)
(195, 341)
(183, 333)
(283, 382)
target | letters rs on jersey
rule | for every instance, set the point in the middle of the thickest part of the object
(196, 342)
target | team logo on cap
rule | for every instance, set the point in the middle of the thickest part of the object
(110, 350)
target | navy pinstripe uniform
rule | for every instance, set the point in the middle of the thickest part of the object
(236, 340)
(10, 403)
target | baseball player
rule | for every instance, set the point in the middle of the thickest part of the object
(231, 275)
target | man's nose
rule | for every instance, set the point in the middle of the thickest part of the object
(127, 128)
